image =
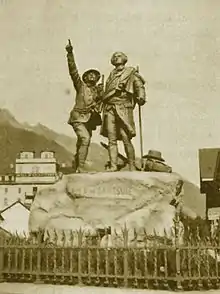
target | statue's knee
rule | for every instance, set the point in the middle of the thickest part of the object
(86, 140)
(127, 142)
(112, 140)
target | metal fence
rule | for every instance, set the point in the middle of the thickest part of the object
(150, 262)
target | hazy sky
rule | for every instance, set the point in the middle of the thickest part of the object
(176, 44)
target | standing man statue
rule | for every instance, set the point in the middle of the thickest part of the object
(124, 88)
(85, 115)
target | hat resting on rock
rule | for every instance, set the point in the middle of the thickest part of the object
(154, 154)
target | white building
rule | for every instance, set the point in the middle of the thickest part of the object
(31, 173)
(30, 169)
(14, 218)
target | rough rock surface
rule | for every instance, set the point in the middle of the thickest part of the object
(90, 201)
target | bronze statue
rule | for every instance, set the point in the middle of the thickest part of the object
(85, 115)
(124, 88)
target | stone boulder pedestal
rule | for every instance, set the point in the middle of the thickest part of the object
(100, 200)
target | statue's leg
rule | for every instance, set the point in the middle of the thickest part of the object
(84, 139)
(76, 156)
(129, 149)
(112, 140)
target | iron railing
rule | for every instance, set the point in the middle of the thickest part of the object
(151, 262)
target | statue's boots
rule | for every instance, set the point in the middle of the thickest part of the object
(129, 150)
(132, 166)
(112, 169)
(113, 155)
(81, 170)
(82, 155)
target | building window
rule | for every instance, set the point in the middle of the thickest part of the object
(19, 190)
(26, 155)
(3, 178)
(6, 190)
(34, 190)
(5, 201)
(47, 154)
(35, 169)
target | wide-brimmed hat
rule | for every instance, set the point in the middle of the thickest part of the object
(154, 154)
(95, 71)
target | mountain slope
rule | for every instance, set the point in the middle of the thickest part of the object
(13, 140)
(194, 199)
(7, 118)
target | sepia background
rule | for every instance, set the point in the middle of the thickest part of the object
(175, 43)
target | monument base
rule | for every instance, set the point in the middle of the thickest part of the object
(102, 200)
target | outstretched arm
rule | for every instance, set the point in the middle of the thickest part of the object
(73, 71)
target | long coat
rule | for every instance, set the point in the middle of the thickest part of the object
(86, 98)
(122, 91)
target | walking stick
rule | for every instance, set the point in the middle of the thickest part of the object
(140, 128)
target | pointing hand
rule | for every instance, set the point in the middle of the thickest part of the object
(69, 47)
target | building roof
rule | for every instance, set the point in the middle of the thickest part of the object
(11, 205)
(209, 163)
(15, 218)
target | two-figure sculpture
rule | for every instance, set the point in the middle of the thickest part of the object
(115, 100)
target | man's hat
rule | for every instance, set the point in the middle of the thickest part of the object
(96, 72)
(154, 154)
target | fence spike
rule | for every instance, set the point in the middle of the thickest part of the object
(198, 234)
(172, 233)
(40, 236)
(71, 238)
(135, 232)
(31, 239)
(10, 239)
(55, 237)
(63, 238)
(115, 232)
(188, 235)
(125, 232)
(165, 233)
(47, 237)
(17, 238)
(80, 236)
(105, 231)
(124, 228)
(25, 236)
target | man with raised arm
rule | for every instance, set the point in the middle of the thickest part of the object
(84, 117)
